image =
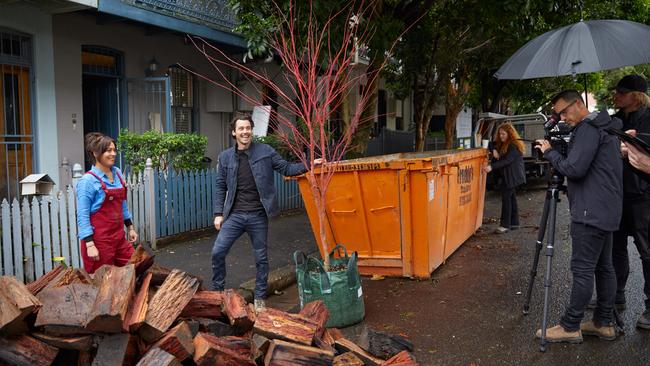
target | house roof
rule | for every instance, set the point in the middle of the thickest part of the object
(37, 178)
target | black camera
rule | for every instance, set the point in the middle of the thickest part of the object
(557, 134)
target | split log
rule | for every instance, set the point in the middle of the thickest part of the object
(240, 315)
(158, 357)
(331, 335)
(276, 324)
(36, 286)
(76, 343)
(166, 305)
(16, 303)
(177, 342)
(65, 309)
(72, 276)
(347, 359)
(320, 343)
(137, 311)
(142, 258)
(215, 327)
(403, 358)
(26, 351)
(317, 312)
(117, 349)
(204, 304)
(384, 345)
(207, 353)
(240, 345)
(259, 346)
(112, 302)
(283, 353)
(345, 345)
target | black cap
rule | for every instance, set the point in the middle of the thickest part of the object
(632, 83)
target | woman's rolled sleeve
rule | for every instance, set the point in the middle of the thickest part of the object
(85, 197)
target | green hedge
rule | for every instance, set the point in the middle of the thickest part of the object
(183, 151)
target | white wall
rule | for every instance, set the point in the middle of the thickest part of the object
(29, 19)
(73, 30)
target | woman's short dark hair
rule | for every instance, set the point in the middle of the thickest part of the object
(243, 117)
(97, 143)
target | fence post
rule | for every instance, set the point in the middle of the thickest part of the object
(150, 202)
(77, 173)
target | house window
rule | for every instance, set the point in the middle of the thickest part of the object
(182, 100)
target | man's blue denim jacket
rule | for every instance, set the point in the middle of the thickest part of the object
(263, 160)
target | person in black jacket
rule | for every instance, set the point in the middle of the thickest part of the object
(593, 169)
(633, 102)
(508, 154)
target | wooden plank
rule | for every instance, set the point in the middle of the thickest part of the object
(65, 309)
(276, 324)
(26, 351)
(75, 257)
(207, 353)
(28, 249)
(138, 307)
(16, 303)
(63, 220)
(158, 357)
(167, 304)
(116, 350)
(72, 342)
(37, 240)
(345, 345)
(46, 234)
(110, 307)
(7, 255)
(177, 342)
(36, 286)
(19, 257)
(403, 358)
(56, 234)
(281, 353)
(204, 304)
(238, 312)
(347, 359)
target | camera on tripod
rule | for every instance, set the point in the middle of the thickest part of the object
(557, 134)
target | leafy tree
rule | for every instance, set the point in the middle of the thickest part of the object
(181, 150)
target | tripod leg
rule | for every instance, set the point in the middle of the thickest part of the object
(549, 258)
(538, 249)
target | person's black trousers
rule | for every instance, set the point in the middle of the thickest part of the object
(509, 211)
(591, 257)
(636, 223)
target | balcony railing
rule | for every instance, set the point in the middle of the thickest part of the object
(212, 13)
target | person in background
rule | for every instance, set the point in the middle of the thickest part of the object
(101, 208)
(508, 158)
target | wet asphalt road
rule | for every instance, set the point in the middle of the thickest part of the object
(470, 312)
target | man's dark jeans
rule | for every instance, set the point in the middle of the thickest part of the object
(636, 223)
(592, 255)
(256, 224)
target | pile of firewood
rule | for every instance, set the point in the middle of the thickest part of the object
(144, 314)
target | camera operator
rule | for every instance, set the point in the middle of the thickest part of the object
(593, 169)
(631, 99)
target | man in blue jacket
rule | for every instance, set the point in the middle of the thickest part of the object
(593, 169)
(245, 198)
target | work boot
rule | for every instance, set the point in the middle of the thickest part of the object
(501, 230)
(260, 305)
(607, 333)
(644, 320)
(558, 334)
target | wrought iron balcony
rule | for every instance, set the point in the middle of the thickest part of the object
(212, 13)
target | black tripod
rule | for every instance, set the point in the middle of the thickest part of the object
(556, 186)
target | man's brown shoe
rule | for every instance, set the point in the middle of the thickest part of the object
(607, 333)
(557, 334)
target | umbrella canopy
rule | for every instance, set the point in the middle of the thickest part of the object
(587, 46)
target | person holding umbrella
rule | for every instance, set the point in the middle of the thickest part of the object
(509, 159)
(101, 208)
(633, 102)
(593, 169)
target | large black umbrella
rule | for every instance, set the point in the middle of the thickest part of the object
(583, 47)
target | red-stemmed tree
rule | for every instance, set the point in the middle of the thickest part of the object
(317, 58)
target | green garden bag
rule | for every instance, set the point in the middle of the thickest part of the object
(340, 290)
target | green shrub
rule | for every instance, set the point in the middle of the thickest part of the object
(183, 151)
